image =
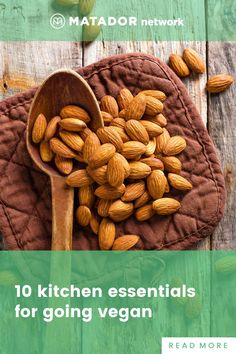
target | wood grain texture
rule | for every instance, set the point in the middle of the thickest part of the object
(222, 129)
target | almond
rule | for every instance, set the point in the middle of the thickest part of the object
(124, 98)
(122, 134)
(110, 135)
(159, 95)
(124, 163)
(72, 124)
(108, 192)
(106, 234)
(64, 165)
(115, 171)
(99, 175)
(166, 206)
(219, 83)
(39, 128)
(109, 104)
(137, 131)
(151, 147)
(133, 191)
(161, 141)
(120, 211)
(101, 156)
(72, 111)
(118, 122)
(52, 128)
(94, 224)
(133, 149)
(154, 163)
(103, 207)
(86, 196)
(144, 213)
(158, 119)
(85, 6)
(152, 128)
(139, 170)
(85, 133)
(153, 106)
(91, 30)
(179, 182)
(91, 144)
(156, 184)
(178, 65)
(107, 118)
(122, 113)
(79, 179)
(46, 153)
(83, 215)
(59, 148)
(194, 61)
(72, 140)
(136, 108)
(142, 200)
(174, 146)
(124, 243)
(172, 164)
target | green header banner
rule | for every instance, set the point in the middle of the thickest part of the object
(109, 20)
(114, 302)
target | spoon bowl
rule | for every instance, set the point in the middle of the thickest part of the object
(62, 88)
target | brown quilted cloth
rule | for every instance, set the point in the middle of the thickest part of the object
(25, 205)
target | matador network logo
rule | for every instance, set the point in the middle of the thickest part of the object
(57, 21)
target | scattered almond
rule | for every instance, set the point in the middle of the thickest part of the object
(79, 179)
(174, 146)
(106, 234)
(159, 95)
(65, 166)
(124, 98)
(136, 108)
(39, 128)
(136, 131)
(72, 140)
(178, 65)
(115, 171)
(101, 156)
(59, 148)
(194, 61)
(133, 191)
(86, 196)
(83, 215)
(124, 243)
(156, 184)
(120, 211)
(109, 104)
(75, 112)
(145, 213)
(166, 206)
(219, 83)
(46, 153)
(72, 124)
(108, 192)
(179, 182)
(52, 128)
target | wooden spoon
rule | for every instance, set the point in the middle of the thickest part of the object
(62, 88)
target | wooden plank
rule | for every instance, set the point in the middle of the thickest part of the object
(222, 128)
(195, 83)
(26, 64)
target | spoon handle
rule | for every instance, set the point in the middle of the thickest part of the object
(62, 214)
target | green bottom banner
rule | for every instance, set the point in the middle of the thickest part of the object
(115, 302)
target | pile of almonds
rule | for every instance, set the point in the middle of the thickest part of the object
(125, 168)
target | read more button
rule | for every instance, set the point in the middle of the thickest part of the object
(198, 345)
